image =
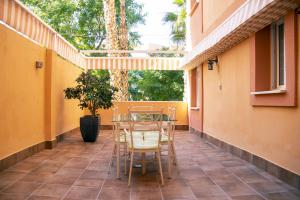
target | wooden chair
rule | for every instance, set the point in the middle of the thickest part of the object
(169, 133)
(167, 138)
(143, 145)
(120, 139)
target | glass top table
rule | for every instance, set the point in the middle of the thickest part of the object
(140, 117)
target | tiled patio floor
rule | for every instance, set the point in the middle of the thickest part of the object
(74, 170)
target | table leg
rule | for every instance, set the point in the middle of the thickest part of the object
(118, 151)
(169, 150)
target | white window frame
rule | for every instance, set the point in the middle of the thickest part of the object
(198, 87)
(275, 56)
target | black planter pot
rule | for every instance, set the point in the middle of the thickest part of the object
(89, 127)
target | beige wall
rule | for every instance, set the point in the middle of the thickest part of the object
(30, 97)
(272, 133)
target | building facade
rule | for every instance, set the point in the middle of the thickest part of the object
(243, 72)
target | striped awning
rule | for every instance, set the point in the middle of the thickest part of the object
(133, 63)
(251, 17)
(17, 17)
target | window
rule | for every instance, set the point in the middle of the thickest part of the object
(278, 55)
(195, 87)
(273, 58)
(198, 88)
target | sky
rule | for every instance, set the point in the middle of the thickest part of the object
(154, 31)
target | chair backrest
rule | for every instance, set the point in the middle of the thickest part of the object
(145, 122)
(172, 113)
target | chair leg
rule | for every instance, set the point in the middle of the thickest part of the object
(174, 154)
(125, 158)
(169, 160)
(118, 160)
(113, 155)
(143, 164)
(160, 168)
(130, 169)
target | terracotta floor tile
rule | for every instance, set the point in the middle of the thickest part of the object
(249, 197)
(11, 176)
(44, 169)
(79, 192)
(69, 172)
(94, 174)
(61, 179)
(80, 163)
(233, 163)
(282, 196)
(177, 193)
(114, 194)
(21, 188)
(192, 174)
(204, 187)
(4, 184)
(89, 182)
(33, 197)
(267, 187)
(23, 166)
(9, 196)
(146, 195)
(237, 189)
(113, 184)
(51, 190)
(39, 178)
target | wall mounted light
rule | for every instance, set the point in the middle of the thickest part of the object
(211, 62)
(38, 64)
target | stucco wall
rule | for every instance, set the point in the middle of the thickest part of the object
(25, 93)
(66, 113)
(208, 15)
(272, 133)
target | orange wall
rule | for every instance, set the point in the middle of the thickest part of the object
(196, 25)
(272, 133)
(181, 110)
(65, 114)
(208, 15)
(22, 93)
(25, 90)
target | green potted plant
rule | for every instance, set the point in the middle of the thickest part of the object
(94, 92)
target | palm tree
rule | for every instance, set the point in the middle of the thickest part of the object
(117, 76)
(123, 42)
(177, 20)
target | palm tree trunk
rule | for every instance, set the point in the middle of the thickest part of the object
(112, 43)
(123, 41)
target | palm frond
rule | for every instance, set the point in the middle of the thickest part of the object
(170, 17)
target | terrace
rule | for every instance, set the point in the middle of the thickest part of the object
(42, 153)
(75, 170)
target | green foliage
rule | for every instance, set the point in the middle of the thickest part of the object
(82, 22)
(156, 85)
(93, 91)
(177, 20)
